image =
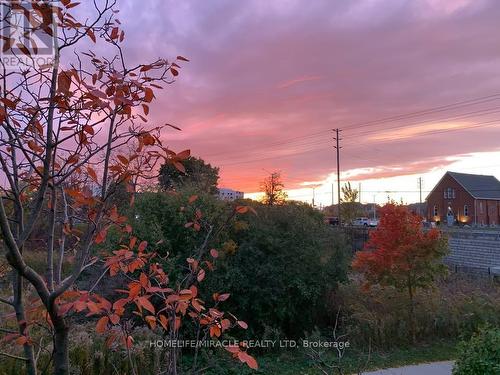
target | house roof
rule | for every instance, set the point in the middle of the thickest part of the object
(479, 186)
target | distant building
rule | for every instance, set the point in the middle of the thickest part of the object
(465, 198)
(230, 194)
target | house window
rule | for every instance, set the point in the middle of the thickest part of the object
(481, 208)
(449, 193)
(435, 212)
(466, 210)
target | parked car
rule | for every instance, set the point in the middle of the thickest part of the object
(332, 220)
(364, 222)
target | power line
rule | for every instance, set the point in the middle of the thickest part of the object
(432, 110)
(482, 112)
(430, 132)
(442, 108)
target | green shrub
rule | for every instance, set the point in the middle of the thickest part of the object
(285, 265)
(481, 354)
(279, 265)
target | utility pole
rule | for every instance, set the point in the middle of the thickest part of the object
(337, 147)
(420, 184)
(313, 197)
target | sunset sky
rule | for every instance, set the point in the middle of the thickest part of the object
(415, 86)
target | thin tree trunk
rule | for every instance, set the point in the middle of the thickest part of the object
(17, 287)
(61, 346)
(52, 236)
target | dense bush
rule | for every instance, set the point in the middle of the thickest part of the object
(160, 219)
(457, 305)
(279, 265)
(284, 264)
(481, 354)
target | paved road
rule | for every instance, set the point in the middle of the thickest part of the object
(435, 368)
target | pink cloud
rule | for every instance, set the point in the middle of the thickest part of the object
(267, 82)
(292, 82)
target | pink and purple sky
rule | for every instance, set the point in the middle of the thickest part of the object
(269, 79)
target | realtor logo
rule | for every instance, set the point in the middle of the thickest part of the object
(26, 34)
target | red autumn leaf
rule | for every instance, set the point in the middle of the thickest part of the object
(63, 82)
(72, 159)
(164, 321)
(185, 295)
(114, 33)
(215, 331)
(114, 318)
(129, 342)
(201, 275)
(241, 209)
(174, 72)
(9, 103)
(233, 349)
(148, 95)
(242, 324)
(151, 320)
(183, 155)
(248, 359)
(88, 129)
(193, 198)
(91, 34)
(24, 49)
(35, 147)
(123, 159)
(142, 246)
(144, 302)
(101, 236)
(182, 58)
(223, 297)
(225, 324)
(194, 290)
(148, 139)
(179, 166)
(9, 42)
(214, 253)
(102, 324)
(92, 174)
(21, 340)
(99, 94)
(143, 279)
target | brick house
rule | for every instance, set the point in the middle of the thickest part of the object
(465, 198)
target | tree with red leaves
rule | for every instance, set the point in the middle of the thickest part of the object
(401, 254)
(64, 125)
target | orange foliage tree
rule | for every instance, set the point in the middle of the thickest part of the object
(64, 124)
(400, 253)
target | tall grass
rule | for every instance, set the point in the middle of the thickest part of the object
(455, 307)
